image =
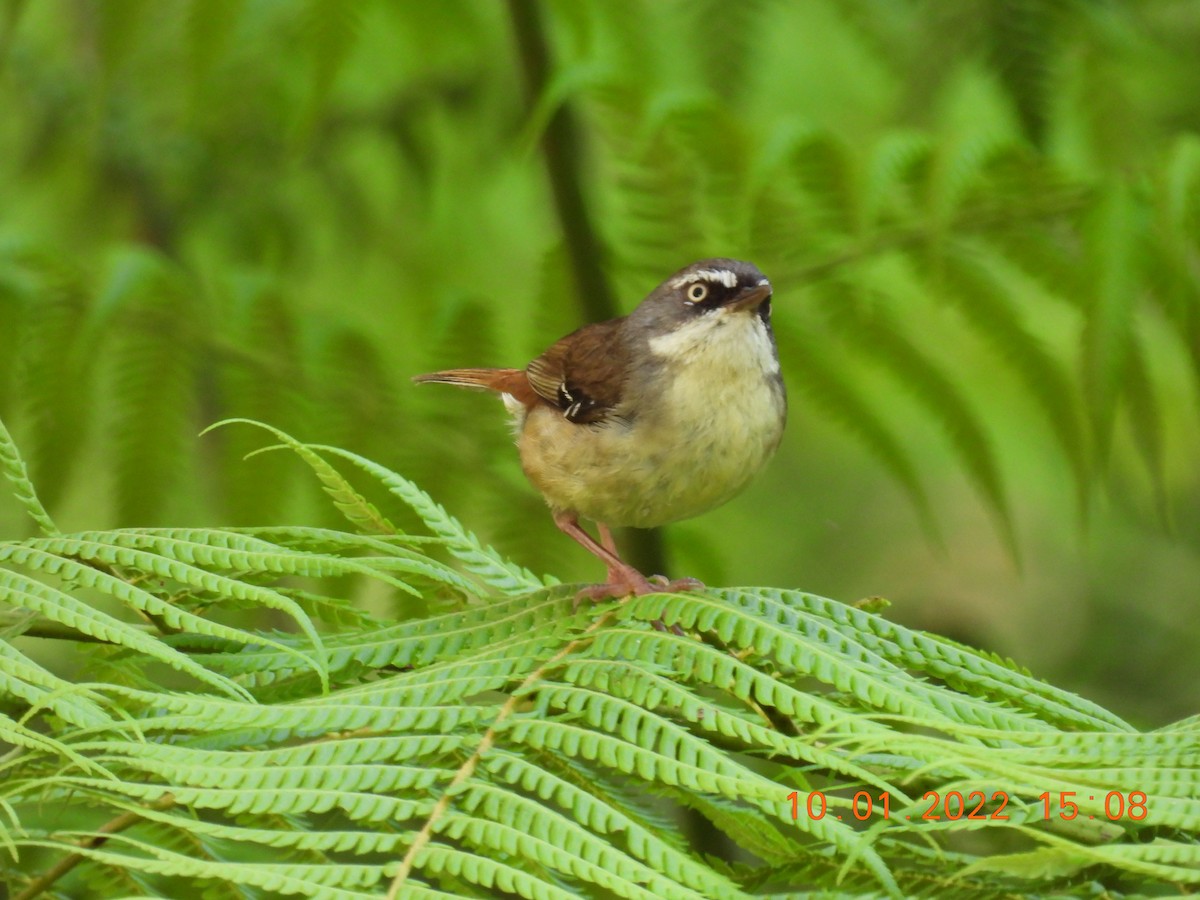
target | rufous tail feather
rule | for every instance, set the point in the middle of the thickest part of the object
(506, 381)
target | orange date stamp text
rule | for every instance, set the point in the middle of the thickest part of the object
(977, 805)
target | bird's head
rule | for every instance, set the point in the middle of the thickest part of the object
(713, 300)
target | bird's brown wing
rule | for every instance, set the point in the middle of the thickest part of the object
(583, 374)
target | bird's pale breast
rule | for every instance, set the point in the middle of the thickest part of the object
(686, 441)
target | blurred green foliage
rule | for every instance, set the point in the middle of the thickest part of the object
(982, 219)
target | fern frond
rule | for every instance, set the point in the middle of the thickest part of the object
(968, 274)
(826, 386)
(476, 558)
(360, 406)
(874, 334)
(727, 39)
(1174, 243)
(480, 560)
(1163, 859)
(249, 723)
(958, 666)
(55, 372)
(504, 622)
(806, 647)
(829, 174)
(1024, 44)
(58, 606)
(58, 556)
(523, 744)
(21, 677)
(154, 314)
(330, 30)
(286, 837)
(661, 214)
(18, 476)
(602, 816)
(556, 843)
(267, 376)
(357, 510)
(45, 747)
(315, 880)
(1108, 311)
(1138, 392)
(15, 309)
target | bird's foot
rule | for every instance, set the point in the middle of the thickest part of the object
(667, 585)
(630, 582)
(619, 584)
(623, 579)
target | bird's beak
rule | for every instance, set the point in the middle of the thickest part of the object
(750, 298)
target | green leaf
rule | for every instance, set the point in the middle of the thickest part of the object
(18, 476)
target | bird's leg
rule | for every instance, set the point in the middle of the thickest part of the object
(660, 581)
(623, 579)
(680, 584)
(606, 539)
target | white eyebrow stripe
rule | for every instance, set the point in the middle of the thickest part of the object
(726, 277)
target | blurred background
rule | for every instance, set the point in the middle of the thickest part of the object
(982, 219)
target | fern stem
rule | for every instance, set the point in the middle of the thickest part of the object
(561, 144)
(71, 860)
(485, 743)
(40, 627)
(970, 220)
(8, 27)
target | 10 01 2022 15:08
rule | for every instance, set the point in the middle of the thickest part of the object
(976, 805)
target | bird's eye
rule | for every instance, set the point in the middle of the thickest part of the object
(697, 292)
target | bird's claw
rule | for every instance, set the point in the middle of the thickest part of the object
(614, 589)
(631, 583)
(669, 586)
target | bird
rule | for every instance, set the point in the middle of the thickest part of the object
(649, 418)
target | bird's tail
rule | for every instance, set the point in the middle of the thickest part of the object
(506, 381)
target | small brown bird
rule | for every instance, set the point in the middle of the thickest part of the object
(654, 417)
